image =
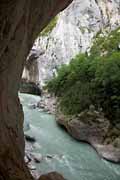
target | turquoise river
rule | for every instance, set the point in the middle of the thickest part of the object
(73, 159)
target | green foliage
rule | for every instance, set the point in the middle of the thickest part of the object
(76, 98)
(49, 27)
(106, 44)
(93, 79)
(107, 85)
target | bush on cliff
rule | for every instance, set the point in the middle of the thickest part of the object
(93, 79)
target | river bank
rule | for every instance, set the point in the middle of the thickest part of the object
(32, 158)
(60, 152)
(90, 126)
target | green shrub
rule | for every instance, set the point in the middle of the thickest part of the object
(76, 98)
(106, 44)
(93, 79)
(107, 85)
(72, 85)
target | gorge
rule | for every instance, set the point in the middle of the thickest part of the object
(59, 151)
(71, 33)
(82, 28)
(68, 34)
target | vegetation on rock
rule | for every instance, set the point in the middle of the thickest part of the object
(49, 27)
(93, 79)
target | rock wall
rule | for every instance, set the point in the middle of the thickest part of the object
(20, 23)
(76, 26)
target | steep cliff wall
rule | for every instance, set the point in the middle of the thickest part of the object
(73, 33)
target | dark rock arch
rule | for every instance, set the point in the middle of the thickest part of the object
(20, 23)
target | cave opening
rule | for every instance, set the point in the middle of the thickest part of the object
(20, 23)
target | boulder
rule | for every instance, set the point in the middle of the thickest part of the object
(30, 138)
(49, 156)
(37, 157)
(108, 152)
(27, 158)
(52, 176)
(31, 166)
(92, 127)
(32, 106)
(117, 142)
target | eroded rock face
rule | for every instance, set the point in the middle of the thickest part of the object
(30, 88)
(76, 26)
(90, 126)
(93, 128)
(31, 72)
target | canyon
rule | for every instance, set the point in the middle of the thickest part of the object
(72, 32)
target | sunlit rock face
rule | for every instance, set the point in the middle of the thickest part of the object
(76, 26)
(31, 72)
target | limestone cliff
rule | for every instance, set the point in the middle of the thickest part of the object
(73, 33)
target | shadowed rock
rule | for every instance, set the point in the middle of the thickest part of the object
(30, 138)
(20, 23)
(52, 176)
(92, 127)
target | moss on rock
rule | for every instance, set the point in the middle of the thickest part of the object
(49, 27)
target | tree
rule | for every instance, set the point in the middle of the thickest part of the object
(20, 23)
